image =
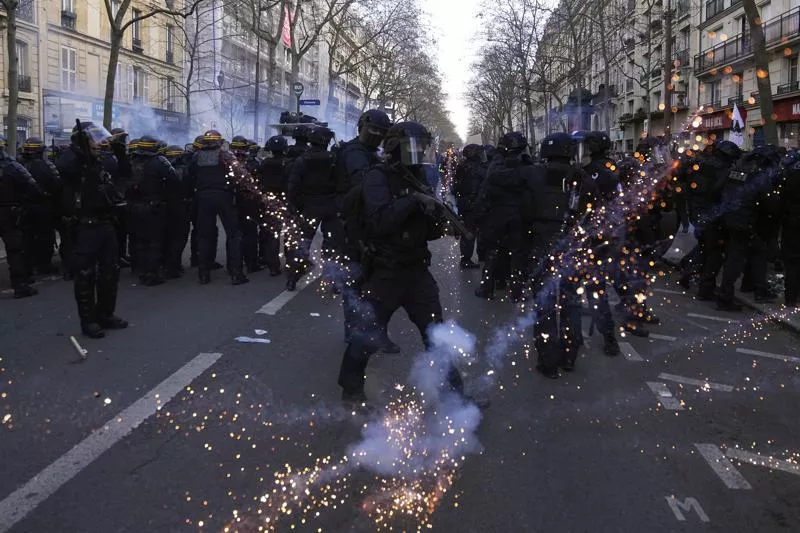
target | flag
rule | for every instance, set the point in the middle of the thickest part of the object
(737, 127)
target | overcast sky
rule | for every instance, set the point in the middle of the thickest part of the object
(456, 30)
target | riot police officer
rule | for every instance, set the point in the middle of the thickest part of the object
(151, 177)
(41, 218)
(119, 148)
(273, 181)
(790, 227)
(312, 194)
(216, 196)
(300, 136)
(90, 205)
(400, 221)
(469, 176)
(179, 208)
(17, 189)
(248, 206)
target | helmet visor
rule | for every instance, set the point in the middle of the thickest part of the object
(417, 151)
(372, 135)
(97, 133)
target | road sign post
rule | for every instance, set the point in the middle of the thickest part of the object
(297, 89)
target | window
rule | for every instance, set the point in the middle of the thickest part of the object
(139, 85)
(22, 58)
(793, 66)
(713, 93)
(168, 94)
(287, 56)
(68, 6)
(738, 85)
(170, 53)
(137, 26)
(26, 9)
(68, 70)
(117, 82)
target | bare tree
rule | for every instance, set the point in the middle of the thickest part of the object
(762, 72)
(307, 21)
(12, 79)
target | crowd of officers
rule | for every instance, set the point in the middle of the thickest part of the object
(551, 232)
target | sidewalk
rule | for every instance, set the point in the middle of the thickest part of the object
(775, 311)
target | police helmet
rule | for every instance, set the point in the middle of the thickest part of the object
(768, 152)
(372, 127)
(512, 142)
(300, 133)
(198, 142)
(119, 136)
(133, 146)
(147, 145)
(276, 143)
(212, 139)
(727, 149)
(597, 142)
(172, 151)
(320, 137)
(33, 146)
(474, 152)
(558, 145)
(409, 144)
(92, 131)
(239, 143)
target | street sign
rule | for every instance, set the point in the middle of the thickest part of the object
(309, 102)
(298, 89)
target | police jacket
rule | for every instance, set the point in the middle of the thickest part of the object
(744, 194)
(209, 170)
(705, 188)
(181, 191)
(273, 176)
(790, 207)
(312, 179)
(469, 177)
(17, 186)
(398, 230)
(353, 161)
(548, 186)
(605, 179)
(88, 189)
(46, 175)
(505, 185)
(152, 177)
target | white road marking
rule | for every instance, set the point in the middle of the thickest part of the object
(777, 356)
(722, 467)
(25, 499)
(698, 382)
(688, 505)
(695, 324)
(629, 352)
(667, 291)
(658, 337)
(664, 396)
(277, 303)
(764, 460)
(714, 318)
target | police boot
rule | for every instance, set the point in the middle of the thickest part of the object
(291, 284)
(107, 287)
(204, 276)
(85, 298)
(24, 291)
(611, 346)
(274, 271)
(239, 278)
(151, 280)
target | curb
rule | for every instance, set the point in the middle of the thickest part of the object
(776, 312)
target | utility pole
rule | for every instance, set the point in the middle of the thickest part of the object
(258, 73)
(669, 85)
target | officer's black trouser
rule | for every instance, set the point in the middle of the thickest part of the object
(11, 233)
(332, 242)
(384, 292)
(178, 222)
(94, 261)
(212, 203)
(249, 228)
(505, 243)
(270, 242)
(193, 254)
(122, 228)
(741, 246)
(711, 239)
(597, 296)
(148, 229)
(467, 245)
(40, 237)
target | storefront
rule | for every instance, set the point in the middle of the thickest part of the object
(787, 115)
(716, 124)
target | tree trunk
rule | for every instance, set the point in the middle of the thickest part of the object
(272, 66)
(113, 61)
(607, 70)
(762, 72)
(668, 70)
(13, 81)
(258, 83)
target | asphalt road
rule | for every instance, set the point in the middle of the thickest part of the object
(174, 425)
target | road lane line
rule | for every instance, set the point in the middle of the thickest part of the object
(277, 303)
(764, 460)
(722, 467)
(667, 291)
(664, 396)
(698, 382)
(658, 337)
(629, 352)
(777, 356)
(25, 499)
(714, 318)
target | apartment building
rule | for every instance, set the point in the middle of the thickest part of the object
(712, 68)
(29, 108)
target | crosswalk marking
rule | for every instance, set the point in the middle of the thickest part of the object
(630, 352)
(721, 466)
(768, 355)
(697, 382)
(664, 396)
(764, 460)
(714, 318)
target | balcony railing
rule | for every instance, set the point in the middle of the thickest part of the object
(782, 89)
(715, 105)
(136, 45)
(779, 30)
(24, 83)
(625, 117)
(738, 100)
(679, 101)
(713, 7)
(68, 19)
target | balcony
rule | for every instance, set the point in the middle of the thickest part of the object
(170, 57)
(625, 118)
(68, 19)
(628, 86)
(713, 7)
(783, 28)
(782, 89)
(136, 45)
(679, 101)
(640, 115)
(24, 83)
(656, 73)
(681, 59)
(716, 105)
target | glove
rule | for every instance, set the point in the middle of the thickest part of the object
(428, 204)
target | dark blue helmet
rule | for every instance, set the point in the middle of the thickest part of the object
(512, 142)
(276, 143)
(320, 137)
(558, 145)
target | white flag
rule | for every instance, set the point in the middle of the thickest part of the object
(737, 127)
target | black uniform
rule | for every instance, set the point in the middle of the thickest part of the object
(42, 217)
(312, 193)
(179, 209)
(469, 177)
(249, 209)
(215, 196)
(90, 204)
(790, 228)
(152, 176)
(273, 179)
(17, 190)
(396, 271)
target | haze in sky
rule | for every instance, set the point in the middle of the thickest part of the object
(457, 32)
